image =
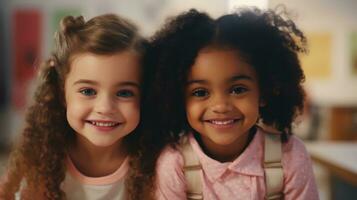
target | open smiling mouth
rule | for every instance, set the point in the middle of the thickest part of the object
(226, 123)
(103, 124)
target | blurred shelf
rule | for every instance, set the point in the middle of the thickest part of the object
(339, 157)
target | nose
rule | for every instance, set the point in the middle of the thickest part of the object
(104, 105)
(221, 104)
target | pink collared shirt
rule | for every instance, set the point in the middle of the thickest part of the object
(241, 179)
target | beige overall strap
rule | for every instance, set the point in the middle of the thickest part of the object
(192, 170)
(272, 167)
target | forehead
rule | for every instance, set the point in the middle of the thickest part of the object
(116, 67)
(217, 64)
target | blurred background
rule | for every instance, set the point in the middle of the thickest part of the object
(328, 125)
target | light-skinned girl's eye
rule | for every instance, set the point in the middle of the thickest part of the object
(238, 90)
(200, 93)
(125, 93)
(88, 92)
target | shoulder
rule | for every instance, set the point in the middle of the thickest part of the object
(295, 159)
(294, 152)
(298, 173)
(170, 178)
(170, 159)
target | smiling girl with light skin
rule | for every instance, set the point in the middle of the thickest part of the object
(102, 107)
(216, 79)
(82, 130)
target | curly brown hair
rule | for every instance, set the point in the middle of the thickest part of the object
(37, 163)
(266, 39)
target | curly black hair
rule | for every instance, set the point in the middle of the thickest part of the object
(266, 40)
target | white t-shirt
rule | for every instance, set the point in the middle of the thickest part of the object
(78, 186)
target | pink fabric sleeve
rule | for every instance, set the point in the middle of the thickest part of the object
(299, 181)
(170, 179)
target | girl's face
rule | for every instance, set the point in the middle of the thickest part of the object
(222, 98)
(102, 94)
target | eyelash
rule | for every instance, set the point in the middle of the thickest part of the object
(201, 92)
(86, 92)
(196, 93)
(239, 88)
(121, 93)
(125, 93)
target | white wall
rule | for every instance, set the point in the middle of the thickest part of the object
(340, 19)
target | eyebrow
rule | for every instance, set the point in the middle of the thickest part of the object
(91, 82)
(234, 78)
(241, 77)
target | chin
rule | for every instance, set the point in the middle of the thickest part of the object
(224, 142)
(102, 143)
(219, 140)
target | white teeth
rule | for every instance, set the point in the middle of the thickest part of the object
(105, 124)
(222, 122)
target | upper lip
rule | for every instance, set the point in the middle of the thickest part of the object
(103, 121)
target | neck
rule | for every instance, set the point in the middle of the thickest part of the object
(225, 153)
(94, 161)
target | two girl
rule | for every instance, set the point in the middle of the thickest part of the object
(82, 129)
(215, 79)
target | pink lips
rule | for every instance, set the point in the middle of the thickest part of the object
(102, 125)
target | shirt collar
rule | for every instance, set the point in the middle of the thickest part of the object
(248, 163)
(118, 175)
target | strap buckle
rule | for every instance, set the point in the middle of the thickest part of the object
(277, 196)
(273, 164)
(194, 196)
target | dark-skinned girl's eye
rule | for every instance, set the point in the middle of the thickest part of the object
(200, 93)
(125, 93)
(88, 92)
(238, 90)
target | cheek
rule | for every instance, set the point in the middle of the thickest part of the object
(75, 114)
(194, 111)
(250, 109)
(76, 109)
(74, 106)
(131, 111)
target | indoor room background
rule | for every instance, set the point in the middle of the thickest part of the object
(328, 125)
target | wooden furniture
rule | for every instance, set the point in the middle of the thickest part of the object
(340, 158)
(343, 124)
